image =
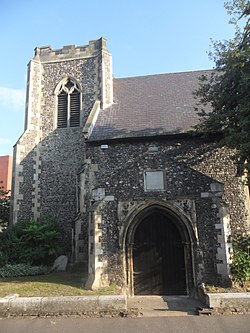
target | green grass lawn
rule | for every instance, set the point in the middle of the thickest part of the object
(54, 284)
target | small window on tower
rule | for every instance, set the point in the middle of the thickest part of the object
(68, 104)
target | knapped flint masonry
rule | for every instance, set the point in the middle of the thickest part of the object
(143, 202)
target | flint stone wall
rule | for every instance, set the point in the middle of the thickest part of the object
(49, 160)
(192, 167)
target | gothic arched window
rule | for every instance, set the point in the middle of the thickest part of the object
(68, 104)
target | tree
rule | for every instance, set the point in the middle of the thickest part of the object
(227, 89)
(4, 208)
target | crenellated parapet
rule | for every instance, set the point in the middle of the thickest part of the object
(46, 53)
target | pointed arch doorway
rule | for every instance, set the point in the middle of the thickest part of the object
(159, 255)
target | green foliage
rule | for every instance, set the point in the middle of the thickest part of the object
(21, 270)
(227, 89)
(30, 242)
(4, 208)
(240, 267)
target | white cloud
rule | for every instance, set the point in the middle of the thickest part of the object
(4, 141)
(13, 99)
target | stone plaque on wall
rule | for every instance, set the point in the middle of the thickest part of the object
(154, 181)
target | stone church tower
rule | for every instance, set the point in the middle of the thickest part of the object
(62, 88)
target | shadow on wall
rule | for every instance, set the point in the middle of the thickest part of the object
(47, 180)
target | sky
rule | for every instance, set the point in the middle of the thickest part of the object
(144, 37)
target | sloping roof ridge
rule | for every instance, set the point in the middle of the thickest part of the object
(169, 73)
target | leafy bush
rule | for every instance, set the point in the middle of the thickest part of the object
(4, 208)
(22, 270)
(31, 242)
(240, 267)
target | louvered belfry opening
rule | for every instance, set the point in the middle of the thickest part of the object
(75, 109)
(68, 111)
(62, 114)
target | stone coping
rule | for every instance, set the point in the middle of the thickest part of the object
(102, 305)
(63, 305)
(228, 300)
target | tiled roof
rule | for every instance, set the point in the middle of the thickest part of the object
(150, 105)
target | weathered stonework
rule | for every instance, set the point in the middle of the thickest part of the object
(130, 162)
(48, 160)
(200, 182)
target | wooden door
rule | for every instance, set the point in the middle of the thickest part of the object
(158, 258)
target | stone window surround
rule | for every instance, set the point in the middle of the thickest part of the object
(57, 92)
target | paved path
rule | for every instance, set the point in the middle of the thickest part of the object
(162, 306)
(187, 324)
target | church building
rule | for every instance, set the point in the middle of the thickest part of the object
(142, 201)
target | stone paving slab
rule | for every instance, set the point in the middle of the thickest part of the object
(161, 306)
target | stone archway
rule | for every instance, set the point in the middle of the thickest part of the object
(159, 253)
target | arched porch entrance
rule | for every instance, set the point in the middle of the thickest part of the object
(159, 254)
